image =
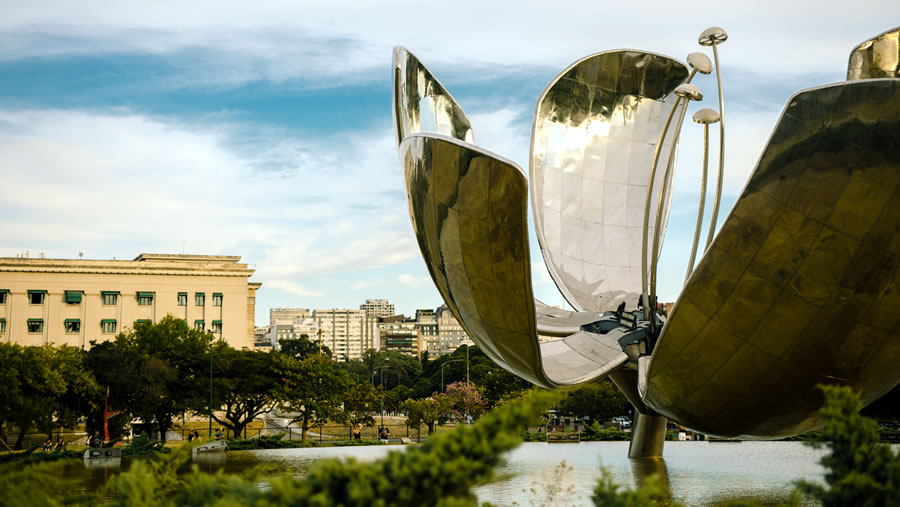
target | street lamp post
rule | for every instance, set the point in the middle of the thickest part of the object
(210, 383)
(445, 363)
(382, 367)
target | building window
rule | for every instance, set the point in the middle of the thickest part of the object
(2, 325)
(182, 299)
(108, 326)
(73, 297)
(199, 299)
(217, 326)
(3, 293)
(35, 325)
(217, 299)
(110, 297)
(198, 325)
(72, 325)
(145, 298)
(36, 297)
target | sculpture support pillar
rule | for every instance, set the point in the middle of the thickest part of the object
(647, 436)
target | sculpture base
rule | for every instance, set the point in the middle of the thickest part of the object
(647, 436)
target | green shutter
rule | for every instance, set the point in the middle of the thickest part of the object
(4, 291)
(104, 321)
(215, 294)
(109, 292)
(73, 320)
(217, 322)
(198, 322)
(73, 296)
(37, 292)
(143, 321)
(145, 294)
(35, 320)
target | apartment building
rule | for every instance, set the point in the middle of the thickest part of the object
(287, 315)
(399, 334)
(75, 301)
(378, 308)
(348, 333)
(450, 333)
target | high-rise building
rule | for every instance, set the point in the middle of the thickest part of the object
(378, 308)
(75, 301)
(399, 334)
(427, 324)
(348, 333)
(287, 315)
(450, 333)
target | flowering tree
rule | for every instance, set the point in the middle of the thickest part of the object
(464, 399)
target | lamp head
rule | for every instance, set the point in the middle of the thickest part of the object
(706, 116)
(700, 62)
(713, 35)
(689, 92)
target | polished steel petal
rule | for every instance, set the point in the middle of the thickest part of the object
(468, 209)
(595, 129)
(802, 284)
(876, 58)
(422, 104)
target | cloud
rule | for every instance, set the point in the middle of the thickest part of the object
(292, 288)
(236, 42)
(413, 282)
(118, 184)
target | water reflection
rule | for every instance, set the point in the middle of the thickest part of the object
(643, 468)
(697, 473)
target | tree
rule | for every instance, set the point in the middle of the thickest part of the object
(859, 469)
(30, 397)
(115, 365)
(312, 389)
(428, 411)
(360, 402)
(598, 401)
(300, 348)
(245, 382)
(174, 371)
(463, 400)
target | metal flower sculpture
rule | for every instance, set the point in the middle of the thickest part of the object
(800, 286)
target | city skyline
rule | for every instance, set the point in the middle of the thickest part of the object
(264, 131)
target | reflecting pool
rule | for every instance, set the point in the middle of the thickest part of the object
(698, 473)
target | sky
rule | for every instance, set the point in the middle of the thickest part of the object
(263, 129)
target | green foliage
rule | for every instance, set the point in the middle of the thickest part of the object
(313, 387)
(652, 492)
(595, 432)
(430, 412)
(302, 347)
(31, 455)
(534, 436)
(245, 383)
(598, 401)
(143, 446)
(360, 402)
(44, 387)
(859, 469)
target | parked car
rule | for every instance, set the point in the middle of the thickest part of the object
(622, 421)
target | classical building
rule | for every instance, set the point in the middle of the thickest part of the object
(399, 334)
(378, 308)
(75, 301)
(348, 333)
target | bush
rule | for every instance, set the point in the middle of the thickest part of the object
(595, 432)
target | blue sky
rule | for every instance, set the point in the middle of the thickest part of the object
(264, 130)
